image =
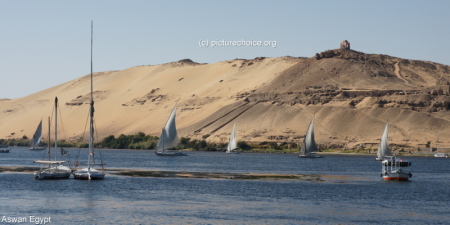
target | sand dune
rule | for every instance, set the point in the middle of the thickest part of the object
(352, 95)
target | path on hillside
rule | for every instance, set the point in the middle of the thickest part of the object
(397, 73)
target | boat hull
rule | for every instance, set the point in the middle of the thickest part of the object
(170, 154)
(61, 172)
(36, 149)
(4, 150)
(441, 155)
(310, 156)
(397, 176)
(84, 174)
(233, 152)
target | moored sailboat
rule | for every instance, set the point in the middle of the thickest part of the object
(90, 173)
(36, 141)
(168, 140)
(53, 169)
(232, 143)
(309, 146)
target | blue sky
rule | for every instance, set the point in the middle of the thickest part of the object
(46, 43)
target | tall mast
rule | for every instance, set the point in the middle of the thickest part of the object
(91, 114)
(49, 140)
(56, 124)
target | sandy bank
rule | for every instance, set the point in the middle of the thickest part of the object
(205, 175)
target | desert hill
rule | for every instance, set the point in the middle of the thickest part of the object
(351, 94)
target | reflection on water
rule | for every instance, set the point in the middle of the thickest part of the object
(352, 192)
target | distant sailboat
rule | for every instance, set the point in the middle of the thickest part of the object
(309, 146)
(232, 143)
(90, 173)
(55, 168)
(383, 148)
(440, 154)
(168, 139)
(36, 141)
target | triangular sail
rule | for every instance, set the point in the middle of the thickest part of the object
(232, 145)
(383, 148)
(309, 143)
(169, 137)
(37, 136)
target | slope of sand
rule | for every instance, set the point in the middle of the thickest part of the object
(352, 95)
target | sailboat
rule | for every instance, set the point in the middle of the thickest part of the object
(90, 173)
(36, 141)
(393, 168)
(309, 146)
(439, 154)
(54, 169)
(232, 143)
(169, 138)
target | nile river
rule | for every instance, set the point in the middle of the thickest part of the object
(354, 193)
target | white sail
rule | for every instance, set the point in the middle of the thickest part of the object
(37, 136)
(309, 143)
(232, 144)
(383, 148)
(169, 137)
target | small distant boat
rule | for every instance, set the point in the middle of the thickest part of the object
(383, 148)
(36, 141)
(168, 139)
(55, 169)
(309, 146)
(90, 173)
(232, 143)
(441, 155)
(4, 149)
(395, 169)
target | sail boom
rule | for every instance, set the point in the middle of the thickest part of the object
(48, 162)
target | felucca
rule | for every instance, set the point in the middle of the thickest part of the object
(168, 140)
(309, 146)
(232, 143)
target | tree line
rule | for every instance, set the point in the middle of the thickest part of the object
(148, 142)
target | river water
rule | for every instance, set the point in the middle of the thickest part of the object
(354, 193)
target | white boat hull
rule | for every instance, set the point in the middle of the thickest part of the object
(232, 152)
(58, 172)
(92, 174)
(36, 148)
(441, 155)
